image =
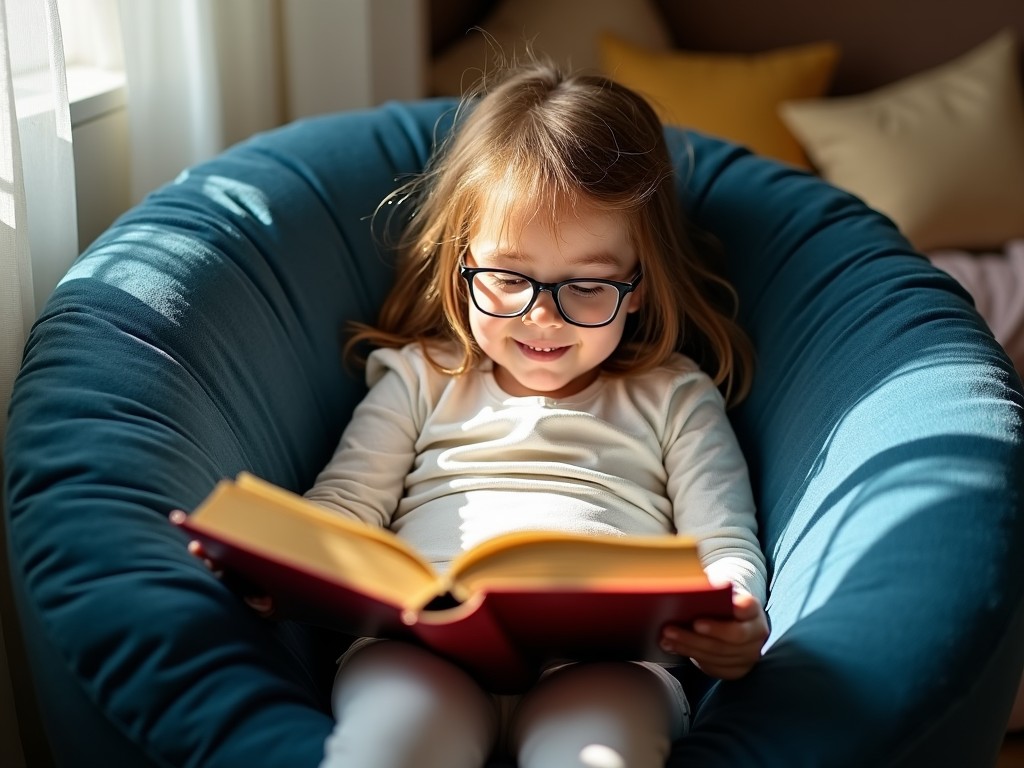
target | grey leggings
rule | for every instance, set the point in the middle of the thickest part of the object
(399, 706)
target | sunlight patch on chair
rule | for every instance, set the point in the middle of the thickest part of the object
(237, 197)
(137, 264)
(900, 460)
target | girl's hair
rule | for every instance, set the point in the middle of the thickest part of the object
(553, 140)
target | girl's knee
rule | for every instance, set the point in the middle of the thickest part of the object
(398, 705)
(597, 715)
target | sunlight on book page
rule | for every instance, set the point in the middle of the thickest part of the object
(282, 526)
(555, 558)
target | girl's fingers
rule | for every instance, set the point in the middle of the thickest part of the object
(727, 650)
(720, 660)
(196, 549)
(746, 607)
(709, 633)
(685, 643)
(731, 631)
(262, 604)
(744, 657)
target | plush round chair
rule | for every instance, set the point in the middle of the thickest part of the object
(200, 336)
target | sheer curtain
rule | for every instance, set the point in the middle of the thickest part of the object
(15, 310)
(16, 303)
(201, 75)
(37, 185)
(204, 74)
(37, 174)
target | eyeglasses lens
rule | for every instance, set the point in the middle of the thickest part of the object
(507, 294)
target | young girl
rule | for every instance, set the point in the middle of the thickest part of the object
(526, 375)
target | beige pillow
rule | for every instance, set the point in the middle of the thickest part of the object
(941, 152)
(565, 30)
(731, 95)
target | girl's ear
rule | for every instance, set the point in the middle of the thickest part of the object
(635, 298)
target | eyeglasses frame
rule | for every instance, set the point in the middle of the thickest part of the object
(623, 288)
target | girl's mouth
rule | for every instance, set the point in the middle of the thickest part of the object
(541, 353)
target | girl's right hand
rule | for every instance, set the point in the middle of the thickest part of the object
(260, 602)
(726, 649)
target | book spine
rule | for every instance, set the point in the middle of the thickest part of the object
(470, 636)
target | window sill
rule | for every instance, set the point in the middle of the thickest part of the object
(92, 93)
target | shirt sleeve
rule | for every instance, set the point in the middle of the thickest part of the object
(365, 478)
(709, 485)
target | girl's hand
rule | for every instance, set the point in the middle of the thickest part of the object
(724, 649)
(263, 604)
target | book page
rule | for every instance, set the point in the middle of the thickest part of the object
(553, 558)
(284, 527)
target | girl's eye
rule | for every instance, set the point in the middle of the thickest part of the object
(587, 290)
(509, 283)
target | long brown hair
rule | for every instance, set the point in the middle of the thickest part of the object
(555, 139)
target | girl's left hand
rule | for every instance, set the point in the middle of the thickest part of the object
(260, 602)
(724, 649)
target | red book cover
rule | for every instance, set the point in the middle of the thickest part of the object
(503, 611)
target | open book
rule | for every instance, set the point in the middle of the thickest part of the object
(502, 610)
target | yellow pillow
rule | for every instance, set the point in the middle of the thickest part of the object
(941, 152)
(734, 96)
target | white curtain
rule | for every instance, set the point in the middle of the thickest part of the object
(37, 186)
(201, 76)
(37, 174)
(204, 74)
(16, 304)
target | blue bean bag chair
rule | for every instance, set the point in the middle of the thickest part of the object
(199, 337)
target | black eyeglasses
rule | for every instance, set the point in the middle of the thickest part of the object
(587, 302)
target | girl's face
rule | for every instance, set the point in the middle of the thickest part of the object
(539, 353)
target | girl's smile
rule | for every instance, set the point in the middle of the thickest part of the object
(541, 351)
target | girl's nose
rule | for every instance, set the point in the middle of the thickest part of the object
(544, 312)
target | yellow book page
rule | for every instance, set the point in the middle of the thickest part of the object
(554, 558)
(283, 526)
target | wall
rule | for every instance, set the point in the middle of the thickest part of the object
(99, 131)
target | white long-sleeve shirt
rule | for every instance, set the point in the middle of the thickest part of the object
(447, 462)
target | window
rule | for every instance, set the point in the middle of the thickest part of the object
(93, 56)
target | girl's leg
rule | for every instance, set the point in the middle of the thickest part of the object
(600, 715)
(400, 706)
